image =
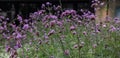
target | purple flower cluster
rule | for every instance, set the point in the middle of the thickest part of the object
(14, 32)
(42, 25)
(96, 4)
(68, 13)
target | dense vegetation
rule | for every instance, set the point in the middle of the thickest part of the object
(54, 33)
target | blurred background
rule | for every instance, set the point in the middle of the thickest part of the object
(10, 8)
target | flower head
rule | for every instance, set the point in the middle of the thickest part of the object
(26, 26)
(67, 52)
(72, 28)
(51, 32)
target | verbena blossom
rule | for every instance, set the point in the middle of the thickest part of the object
(72, 27)
(67, 52)
(25, 26)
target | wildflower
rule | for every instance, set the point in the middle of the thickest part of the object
(74, 32)
(18, 44)
(16, 47)
(94, 45)
(58, 7)
(107, 19)
(46, 37)
(92, 17)
(40, 41)
(8, 48)
(53, 17)
(1, 28)
(26, 20)
(112, 28)
(116, 20)
(82, 43)
(26, 26)
(52, 23)
(19, 18)
(84, 33)
(51, 32)
(62, 36)
(13, 54)
(43, 6)
(2, 17)
(104, 26)
(48, 3)
(30, 43)
(75, 46)
(41, 12)
(46, 25)
(66, 52)
(51, 56)
(72, 28)
(59, 23)
(73, 12)
(101, 4)
(19, 36)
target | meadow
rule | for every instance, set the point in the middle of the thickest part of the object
(55, 33)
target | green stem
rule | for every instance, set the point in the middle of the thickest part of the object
(60, 1)
(78, 46)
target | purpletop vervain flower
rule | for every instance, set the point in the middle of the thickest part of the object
(51, 32)
(43, 6)
(8, 48)
(66, 52)
(52, 23)
(19, 36)
(19, 18)
(72, 28)
(25, 27)
(48, 3)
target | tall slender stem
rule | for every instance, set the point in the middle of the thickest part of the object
(60, 1)
(107, 11)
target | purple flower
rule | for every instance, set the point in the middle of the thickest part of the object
(51, 32)
(94, 45)
(58, 7)
(53, 17)
(66, 52)
(52, 23)
(19, 36)
(73, 12)
(68, 12)
(4, 35)
(101, 4)
(92, 17)
(48, 3)
(116, 20)
(16, 47)
(84, 33)
(8, 48)
(41, 12)
(75, 46)
(2, 17)
(74, 32)
(112, 28)
(59, 23)
(104, 26)
(25, 27)
(1, 28)
(43, 6)
(19, 18)
(18, 44)
(26, 20)
(46, 37)
(72, 28)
